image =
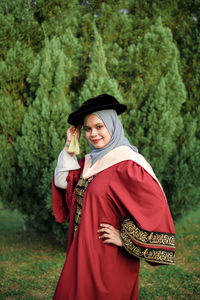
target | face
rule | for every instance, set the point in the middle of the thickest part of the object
(96, 132)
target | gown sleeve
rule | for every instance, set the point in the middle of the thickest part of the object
(65, 163)
(62, 199)
(147, 229)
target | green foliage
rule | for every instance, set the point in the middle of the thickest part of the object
(182, 176)
(18, 24)
(14, 70)
(56, 54)
(98, 80)
(154, 101)
(43, 131)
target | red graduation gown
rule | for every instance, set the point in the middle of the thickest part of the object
(97, 271)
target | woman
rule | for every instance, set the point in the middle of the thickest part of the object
(117, 210)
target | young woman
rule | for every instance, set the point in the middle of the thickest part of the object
(117, 210)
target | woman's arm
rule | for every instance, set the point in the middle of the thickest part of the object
(66, 162)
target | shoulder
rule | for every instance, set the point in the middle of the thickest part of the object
(130, 173)
(129, 169)
(129, 166)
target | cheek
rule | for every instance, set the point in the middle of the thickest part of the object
(87, 135)
(107, 136)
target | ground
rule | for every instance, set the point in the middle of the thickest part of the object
(30, 264)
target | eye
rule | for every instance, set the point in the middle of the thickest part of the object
(87, 129)
(99, 126)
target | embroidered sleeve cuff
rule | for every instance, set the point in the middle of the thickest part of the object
(155, 247)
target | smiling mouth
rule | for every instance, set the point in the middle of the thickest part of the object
(96, 141)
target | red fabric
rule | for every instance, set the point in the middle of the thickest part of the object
(94, 270)
(60, 209)
(61, 199)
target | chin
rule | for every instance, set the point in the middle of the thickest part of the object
(98, 147)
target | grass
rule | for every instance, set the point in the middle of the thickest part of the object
(30, 265)
(181, 281)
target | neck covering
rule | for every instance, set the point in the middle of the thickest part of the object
(110, 118)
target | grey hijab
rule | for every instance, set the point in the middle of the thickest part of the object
(110, 118)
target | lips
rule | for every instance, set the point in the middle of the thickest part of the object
(96, 141)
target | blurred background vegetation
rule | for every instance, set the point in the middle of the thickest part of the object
(56, 54)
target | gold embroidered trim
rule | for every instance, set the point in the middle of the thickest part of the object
(149, 254)
(147, 238)
(80, 190)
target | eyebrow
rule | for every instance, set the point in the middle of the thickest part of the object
(94, 124)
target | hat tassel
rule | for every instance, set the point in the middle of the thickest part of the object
(74, 145)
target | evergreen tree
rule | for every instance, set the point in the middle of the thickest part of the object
(183, 172)
(98, 80)
(187, 24)
(43, 132)
(14, 69)
(155, 96)
(132, 56)
(17, 46)
(116, 28)
(184, 182)
(18, 24)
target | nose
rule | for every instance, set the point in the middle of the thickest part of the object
(93, 132)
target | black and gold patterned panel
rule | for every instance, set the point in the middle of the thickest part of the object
(80, 190)
(141, 243)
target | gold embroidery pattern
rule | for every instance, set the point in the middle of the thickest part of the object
(80, 190)
(147, 238)
(149, 254)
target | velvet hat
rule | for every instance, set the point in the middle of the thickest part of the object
(100, 102)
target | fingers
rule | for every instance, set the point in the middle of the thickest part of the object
(110, 235)
(71, 130)
(106, 225)
(104, 236)
(106, 228)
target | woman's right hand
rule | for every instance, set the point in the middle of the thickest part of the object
(71, 131)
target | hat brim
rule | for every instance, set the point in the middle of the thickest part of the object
(77, 118)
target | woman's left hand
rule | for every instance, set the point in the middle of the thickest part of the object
(110, 235)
